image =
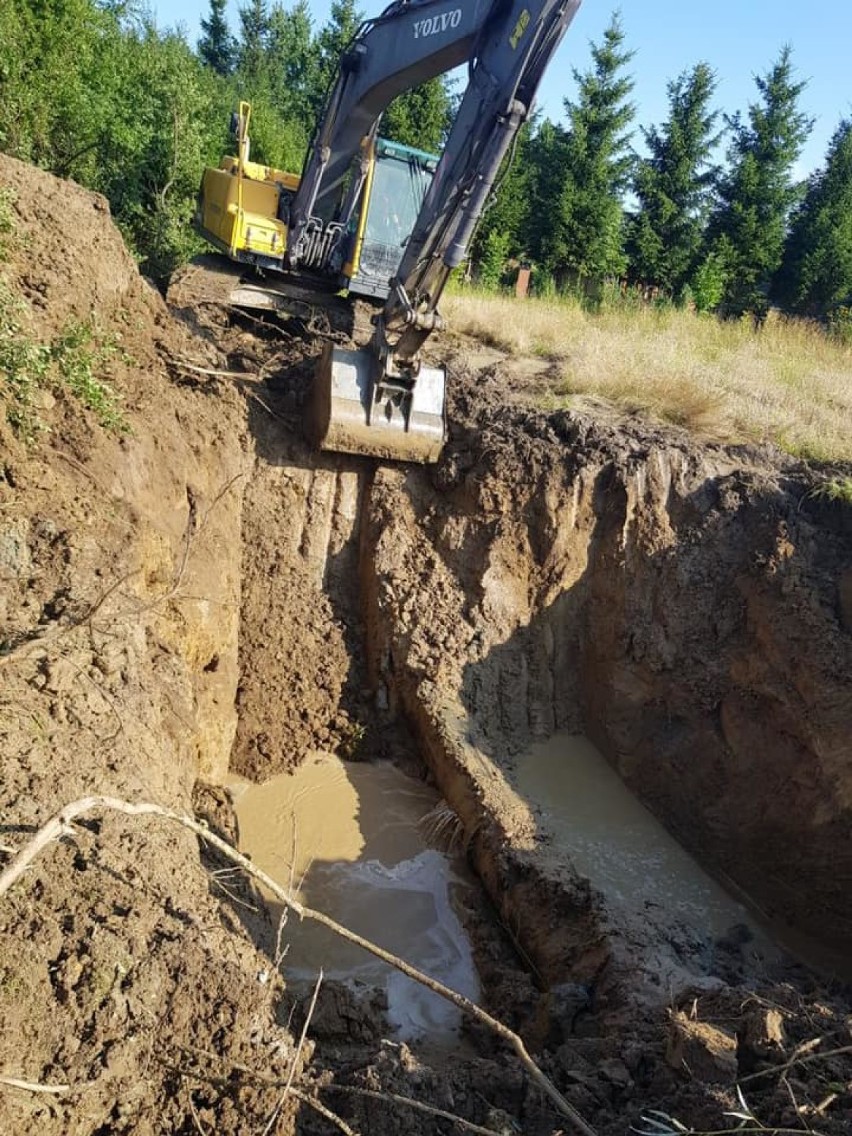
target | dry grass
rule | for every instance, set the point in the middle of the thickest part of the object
(787, 383)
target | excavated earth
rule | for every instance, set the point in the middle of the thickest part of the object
(204, 596)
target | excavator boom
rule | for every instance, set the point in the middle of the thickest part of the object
(383, 400)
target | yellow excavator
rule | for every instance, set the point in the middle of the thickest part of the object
(244, 212)
(383, 220)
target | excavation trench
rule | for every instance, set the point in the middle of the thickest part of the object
(555, 624)
(203, 598)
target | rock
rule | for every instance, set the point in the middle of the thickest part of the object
(616, 1072)
(705, 1052)
(760, 1039)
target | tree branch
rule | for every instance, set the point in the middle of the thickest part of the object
(60, 824)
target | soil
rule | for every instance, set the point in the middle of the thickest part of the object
(205, 594)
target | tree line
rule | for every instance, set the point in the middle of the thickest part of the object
(709, 213)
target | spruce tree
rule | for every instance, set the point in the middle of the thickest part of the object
(757, 194)
(587, 244)
(673, 184)
(217, 47)
(292, 62)
(254, 40)
(420, 117)
(816, 273)
(333, 39)
(507, 213)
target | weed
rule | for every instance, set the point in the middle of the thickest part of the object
(70, 362)
(8, 197)
(24, 365)
(77, 355)
(835, 489)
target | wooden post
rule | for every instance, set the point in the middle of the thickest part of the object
(522, 284)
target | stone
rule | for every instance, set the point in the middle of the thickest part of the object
(703, 1051)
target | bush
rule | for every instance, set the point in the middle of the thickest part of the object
(491, 265)
(839, 322)
(708, 283)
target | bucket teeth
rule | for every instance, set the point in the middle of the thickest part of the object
(390, 419)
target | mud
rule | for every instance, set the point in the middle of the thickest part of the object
(207, 596)
(373, 870)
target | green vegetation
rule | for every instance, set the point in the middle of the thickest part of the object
(836, 489)
(72, 362)
(7, 221)
(99, 93)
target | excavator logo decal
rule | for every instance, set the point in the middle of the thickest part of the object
(435, 24)
(519, 29)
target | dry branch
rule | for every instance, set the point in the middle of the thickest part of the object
(797, 1060)
(409, 1102)
(60, 825)
(325, 1111)
(34, 1086)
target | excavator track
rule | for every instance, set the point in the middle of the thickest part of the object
(216, 281)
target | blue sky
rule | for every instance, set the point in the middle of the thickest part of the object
(738, 38)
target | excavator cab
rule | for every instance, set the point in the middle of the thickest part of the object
(396, 183)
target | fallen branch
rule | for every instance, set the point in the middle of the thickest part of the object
(34, 1086)
(794, 1060)
(354, 1090)
(325, 1111)
(60, 825)
(409, 1102)
(216, 374)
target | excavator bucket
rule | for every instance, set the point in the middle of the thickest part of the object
(348, 414)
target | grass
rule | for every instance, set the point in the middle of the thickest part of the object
(788, 382)
(72, 362)
(836, 489)
(8, 197)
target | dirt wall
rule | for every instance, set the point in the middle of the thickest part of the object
(683, 607)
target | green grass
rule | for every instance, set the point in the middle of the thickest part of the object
(73, 362)
(8, 197)
(788, 382)
(835, 489)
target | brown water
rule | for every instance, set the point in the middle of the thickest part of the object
(668, 909)
(349, 838)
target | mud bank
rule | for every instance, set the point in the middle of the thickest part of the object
(205, 595)
(684, 607)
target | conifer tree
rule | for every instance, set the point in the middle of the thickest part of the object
(292, 59)
(816, 273)
(673, 185)
(757, 194)
(254, 40)
(420, 117)
(333, 39)
(588, 239)
(216, 46)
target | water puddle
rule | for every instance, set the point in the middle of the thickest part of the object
(669, 907)
(349, 838)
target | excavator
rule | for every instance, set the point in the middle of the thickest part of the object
(383, 400)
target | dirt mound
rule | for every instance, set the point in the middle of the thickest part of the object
(115, 602)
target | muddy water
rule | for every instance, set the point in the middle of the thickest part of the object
(670, 909)
(350, 838)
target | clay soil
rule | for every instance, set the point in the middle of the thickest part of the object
(203, 594)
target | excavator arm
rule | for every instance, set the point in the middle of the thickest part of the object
(384, 400)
